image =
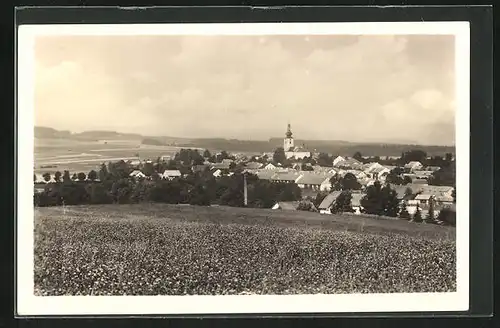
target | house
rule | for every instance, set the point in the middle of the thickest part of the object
(423, 199)
(227, 161)
(317, 168)
(349, 163)
(270, 166)
(200, 168)
(422, 174)
(413, 165)
(289, 206)
(137, 174)
(356, 202)
(253, 165)
(326, 205)
(217, 173)
(286, 177)
(337, 160)
(380, 173)
(171, 174)
(369, 167)
(432, 168)
(316, 181)
(221, 166)
(265, 174)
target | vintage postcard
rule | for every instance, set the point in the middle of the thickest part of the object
(243, 168)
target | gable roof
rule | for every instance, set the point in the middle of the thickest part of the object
(423, 197)
(172, 173)
(223, 166)
(290, 206)
(329, 200)
(314, 178)
(265, 174)
(285, 176)
(253, 165)
(136, 173)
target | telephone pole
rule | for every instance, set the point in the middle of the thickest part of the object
(245, 192)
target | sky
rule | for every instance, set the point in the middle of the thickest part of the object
(328, 87)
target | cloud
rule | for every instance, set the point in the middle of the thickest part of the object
(328, 87)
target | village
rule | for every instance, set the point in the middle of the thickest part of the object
(322, 178)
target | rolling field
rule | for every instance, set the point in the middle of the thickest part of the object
(83, 156)
(165, 249)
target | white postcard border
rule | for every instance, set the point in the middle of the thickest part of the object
(29, 304)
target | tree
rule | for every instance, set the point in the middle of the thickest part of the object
(99, 194)
(103, 172)
(92, 176)
(350, 182)
(335, 182)
(74, 177)
(404, 212)
(46, 177)
(81, 176)
(34, 177)
(57, 176)
(357, 156)
(343, 202)
(279, 155)
(407, 180)
(390, 201)
(207, 154)
(408, 192)
(372, 202)
(324, 160)
(380, 201)
(414, 156)
(417, 217)
(148, 169)
(66, 177)
(447, 216)
(120, 191)
(306, 206)
(454, 194)
(232, 166)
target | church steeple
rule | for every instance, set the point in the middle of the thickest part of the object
(289, 132)
(288, 141)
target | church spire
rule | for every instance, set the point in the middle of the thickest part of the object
(289, 131)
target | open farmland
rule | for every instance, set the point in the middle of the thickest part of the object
(83, 156)
(175, 250)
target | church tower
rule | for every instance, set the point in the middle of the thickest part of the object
(288, 141)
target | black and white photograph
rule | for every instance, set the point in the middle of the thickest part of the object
(243, 168)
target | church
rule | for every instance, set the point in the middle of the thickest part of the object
(290, 149)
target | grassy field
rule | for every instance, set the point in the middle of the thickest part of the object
(174, 250)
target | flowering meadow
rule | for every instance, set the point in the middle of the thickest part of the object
(186, 250)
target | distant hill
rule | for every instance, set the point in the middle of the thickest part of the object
(337, 147)
(50, 133)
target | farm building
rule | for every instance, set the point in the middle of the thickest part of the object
(171, 174)
(285, 176)
(316, 181)
(289, 206)
(270, 166)
(221, 166)
(328, 202)
(413, 165)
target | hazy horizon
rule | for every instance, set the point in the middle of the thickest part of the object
(392, 89)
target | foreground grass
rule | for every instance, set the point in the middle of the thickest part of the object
(176, 250)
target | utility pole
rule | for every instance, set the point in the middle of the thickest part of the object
(245, 192)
